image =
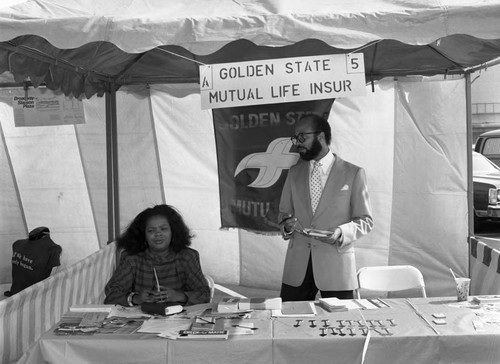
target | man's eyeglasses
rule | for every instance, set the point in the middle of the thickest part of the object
(299, 138)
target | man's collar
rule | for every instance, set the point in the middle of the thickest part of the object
(326, 161)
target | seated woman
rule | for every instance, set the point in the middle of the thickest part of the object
(157, 264)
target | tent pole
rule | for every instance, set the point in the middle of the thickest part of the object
(470, 184)
(112, 165)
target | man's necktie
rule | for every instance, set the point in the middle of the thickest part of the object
(316, 188)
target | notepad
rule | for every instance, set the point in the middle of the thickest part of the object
(160, 325)
(333, 304)
(487, 299)
(91, 308)
(264, 303)
(295, 309)
(236, 304)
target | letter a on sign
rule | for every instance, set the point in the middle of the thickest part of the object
(205, 77)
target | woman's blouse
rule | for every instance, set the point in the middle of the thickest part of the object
(180, 271)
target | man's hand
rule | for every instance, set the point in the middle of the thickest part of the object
(335, 238)
(289, 224)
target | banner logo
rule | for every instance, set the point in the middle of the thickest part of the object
(270, 163)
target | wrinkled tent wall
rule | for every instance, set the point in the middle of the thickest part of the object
(147, 173)
(409, 136)
(167, 154)
(189, 168)
(45, 182)
(430, 193)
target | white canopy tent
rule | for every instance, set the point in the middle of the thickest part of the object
(411, 135)
(205, 26)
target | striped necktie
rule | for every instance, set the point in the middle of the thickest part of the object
(316, 188)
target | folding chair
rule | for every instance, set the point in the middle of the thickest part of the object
(391, 278)
(213, 286)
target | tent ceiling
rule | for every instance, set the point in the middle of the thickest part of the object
(89, 69)
(204, 26)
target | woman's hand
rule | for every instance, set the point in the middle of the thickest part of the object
(164, 295)
(150, 295)
(172, 295)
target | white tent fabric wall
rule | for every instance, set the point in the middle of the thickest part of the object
(369, 131)
(189, 170)
(430, 214)
(91, 138)
(138, 164)
(363, 133)
(416, 169)
(43, 183)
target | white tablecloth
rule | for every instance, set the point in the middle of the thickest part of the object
(414, 339)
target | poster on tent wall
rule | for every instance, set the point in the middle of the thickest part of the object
(42, 107)
(254, 153)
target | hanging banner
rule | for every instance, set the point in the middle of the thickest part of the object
(42, 107)
(282, 80)
(254, 153)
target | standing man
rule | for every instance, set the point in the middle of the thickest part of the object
(324, 208)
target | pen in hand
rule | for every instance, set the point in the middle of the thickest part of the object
(157, 281)
(162, 296)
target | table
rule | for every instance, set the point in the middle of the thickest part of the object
(414, 339)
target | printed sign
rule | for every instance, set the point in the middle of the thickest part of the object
(41, 107)
(282, 80)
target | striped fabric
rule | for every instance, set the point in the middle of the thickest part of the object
(484, 267)
(25, 316)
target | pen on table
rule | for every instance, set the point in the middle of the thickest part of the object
(157, 281)
(205, 320)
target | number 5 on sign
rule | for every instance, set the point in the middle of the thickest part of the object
(355, 63)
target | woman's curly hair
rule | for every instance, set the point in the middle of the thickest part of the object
(133, 240)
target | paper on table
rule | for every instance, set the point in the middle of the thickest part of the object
(354, 304)
(489, 314)
(241, 328)
(487, 299)
(160, 325)
(199, 309)
(93, 319)
(333, 302)
(91, 308)
(295, 309)
(130, 312)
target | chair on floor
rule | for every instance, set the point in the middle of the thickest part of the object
(228, 291)
(214, 286)
(392, 278)
(211, 284)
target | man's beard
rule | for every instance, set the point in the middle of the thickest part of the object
(311, 153)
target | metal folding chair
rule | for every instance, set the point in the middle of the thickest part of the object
(390, 278)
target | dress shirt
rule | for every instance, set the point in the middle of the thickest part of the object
(325, 167)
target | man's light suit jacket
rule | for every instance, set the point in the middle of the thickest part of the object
(344, 203)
